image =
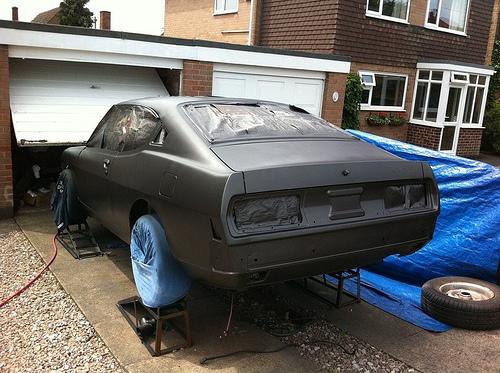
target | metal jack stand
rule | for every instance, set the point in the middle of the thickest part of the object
(134, 310)
(339, 289)
(80, 242)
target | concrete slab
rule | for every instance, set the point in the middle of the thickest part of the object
(96, 284)
(122, 341)
(454, 351)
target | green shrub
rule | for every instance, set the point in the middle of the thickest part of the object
(495, 79)
(352, 102)
(491, 137)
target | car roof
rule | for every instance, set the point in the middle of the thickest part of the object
(167, 102)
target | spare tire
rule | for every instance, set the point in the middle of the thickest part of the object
(462, 302)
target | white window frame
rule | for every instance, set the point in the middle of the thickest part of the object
(443, 29)
(447, 70)
(459, 81)
(372, 75)
(476, 86)
(369, 107)
(225, 10)
(443, 98)
(371, 13)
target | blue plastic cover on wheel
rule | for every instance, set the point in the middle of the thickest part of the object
(466, 240)
(159, 277)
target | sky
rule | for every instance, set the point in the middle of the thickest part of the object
(144, 16)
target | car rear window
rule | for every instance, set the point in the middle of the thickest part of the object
(234, 121)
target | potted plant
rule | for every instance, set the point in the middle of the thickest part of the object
(397, 120)
(384, 119)
(377, 119)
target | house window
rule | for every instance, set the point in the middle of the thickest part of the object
(476, 92)
(383, 91)
(426, 102)
(459, 78)
(448, 15)
(395, 10)
(225, 6)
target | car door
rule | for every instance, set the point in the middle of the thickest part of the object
(130, 175)
(95, 164)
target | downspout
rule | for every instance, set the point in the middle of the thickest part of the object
(251, 25)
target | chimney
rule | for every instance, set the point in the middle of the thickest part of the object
(15, 13)
(105, 20)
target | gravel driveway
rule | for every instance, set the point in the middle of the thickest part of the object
(43, 330)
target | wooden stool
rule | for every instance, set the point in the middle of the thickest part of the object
(133, 310)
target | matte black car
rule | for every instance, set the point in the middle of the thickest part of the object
(252, 192)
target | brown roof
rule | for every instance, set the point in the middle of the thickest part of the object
(49, 16)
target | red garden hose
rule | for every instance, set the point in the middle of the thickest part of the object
(30, 282)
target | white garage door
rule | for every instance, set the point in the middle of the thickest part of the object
(56, 103)
(303, 91)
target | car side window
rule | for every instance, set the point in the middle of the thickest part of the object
(116, 128)
(95, 140)
(142, 126)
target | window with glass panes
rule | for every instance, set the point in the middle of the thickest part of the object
(476, 91)
(449, 15)
(397, 9)
(383, 91)
(426, 101)
(225, 6)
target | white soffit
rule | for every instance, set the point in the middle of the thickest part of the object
(455, 67)
(256, 70)
(86, 48)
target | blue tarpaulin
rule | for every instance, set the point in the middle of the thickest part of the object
(466, 240)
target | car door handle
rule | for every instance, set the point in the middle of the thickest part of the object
(106, 164)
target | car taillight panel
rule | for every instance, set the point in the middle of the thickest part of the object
(404, 197)
(257, 214)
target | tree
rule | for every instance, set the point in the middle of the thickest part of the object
(352, 101)
(495, 79)
(75, 13)
(491, 136)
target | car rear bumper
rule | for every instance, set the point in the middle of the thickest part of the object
(264, 262)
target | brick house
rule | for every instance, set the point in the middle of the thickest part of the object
(424, 60)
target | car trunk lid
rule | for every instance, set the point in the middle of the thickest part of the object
(291, 164)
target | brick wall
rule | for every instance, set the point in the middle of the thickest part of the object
(418, 12)
(469, 141)
(197, 78)
(332, 111)
(195, 19)
(493, 32)
(6, 198)
(342, 27)
(392, 132)
(307, 25)
(425, 136)
(372, 40)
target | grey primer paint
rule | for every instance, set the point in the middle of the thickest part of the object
(244, 203)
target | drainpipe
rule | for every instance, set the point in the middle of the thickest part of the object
(251, 26)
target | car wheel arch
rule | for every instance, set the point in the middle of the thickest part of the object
(139, 208)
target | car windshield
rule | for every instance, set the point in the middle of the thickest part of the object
(221, 121)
